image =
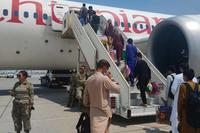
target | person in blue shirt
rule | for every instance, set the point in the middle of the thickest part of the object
(131, 56)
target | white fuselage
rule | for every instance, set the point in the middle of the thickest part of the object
(27, 40)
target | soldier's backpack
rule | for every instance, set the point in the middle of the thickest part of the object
(170, 94)
(193, 106)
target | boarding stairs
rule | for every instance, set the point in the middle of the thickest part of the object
(126, 104)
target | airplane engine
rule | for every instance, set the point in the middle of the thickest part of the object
(175, 41)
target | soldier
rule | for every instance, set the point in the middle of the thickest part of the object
(77, 85)
(23, 103)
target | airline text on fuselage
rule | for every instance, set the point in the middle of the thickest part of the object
(138, 23)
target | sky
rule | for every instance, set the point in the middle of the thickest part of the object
(173, 7)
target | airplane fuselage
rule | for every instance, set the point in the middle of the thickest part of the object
(27, 40)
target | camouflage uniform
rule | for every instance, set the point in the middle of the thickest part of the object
(22, 104)
(77, 80)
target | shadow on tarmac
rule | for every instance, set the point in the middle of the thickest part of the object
(56, 95)
(122, 122)
(4, 92)
(117, 120)
(155, 130)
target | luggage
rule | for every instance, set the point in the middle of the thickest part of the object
(83, 125)
(104, 41)
(149, 88)
(124, 55)
(112, 54)
(152, 88)
(155, 88)
(126, 71)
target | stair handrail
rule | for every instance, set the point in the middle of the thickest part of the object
(80, 33)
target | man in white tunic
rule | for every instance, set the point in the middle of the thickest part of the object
(170, 79)
(96, 97)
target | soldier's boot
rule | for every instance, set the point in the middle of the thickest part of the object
(18, 131)
(27, 131)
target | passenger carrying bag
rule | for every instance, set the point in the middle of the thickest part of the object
(193, 106)
(170, 94)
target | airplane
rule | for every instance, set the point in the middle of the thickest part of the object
(28, 42)
(30, 38)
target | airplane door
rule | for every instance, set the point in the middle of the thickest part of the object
(58, 12)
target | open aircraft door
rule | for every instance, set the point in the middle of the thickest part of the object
(58, 13)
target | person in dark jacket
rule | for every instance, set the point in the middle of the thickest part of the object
(91, 12)
(143, 74)
(95, 21)
(131, 53)
(109, 31)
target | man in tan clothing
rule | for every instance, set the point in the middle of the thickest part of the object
(96, 98)
(183, 107)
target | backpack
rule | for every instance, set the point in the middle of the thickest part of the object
(170, 94)
(193, 106)
(95, 19)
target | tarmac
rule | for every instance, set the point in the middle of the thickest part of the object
(52, 116)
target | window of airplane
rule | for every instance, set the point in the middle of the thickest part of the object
(135, 25)
(122, 24)
(35, 15)
(26, 14)
(129, 25)
(45, 16)
(16, 13)
(5, 12)
(61, 51)
(141, 26)
(59, 7)
(17, 52)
